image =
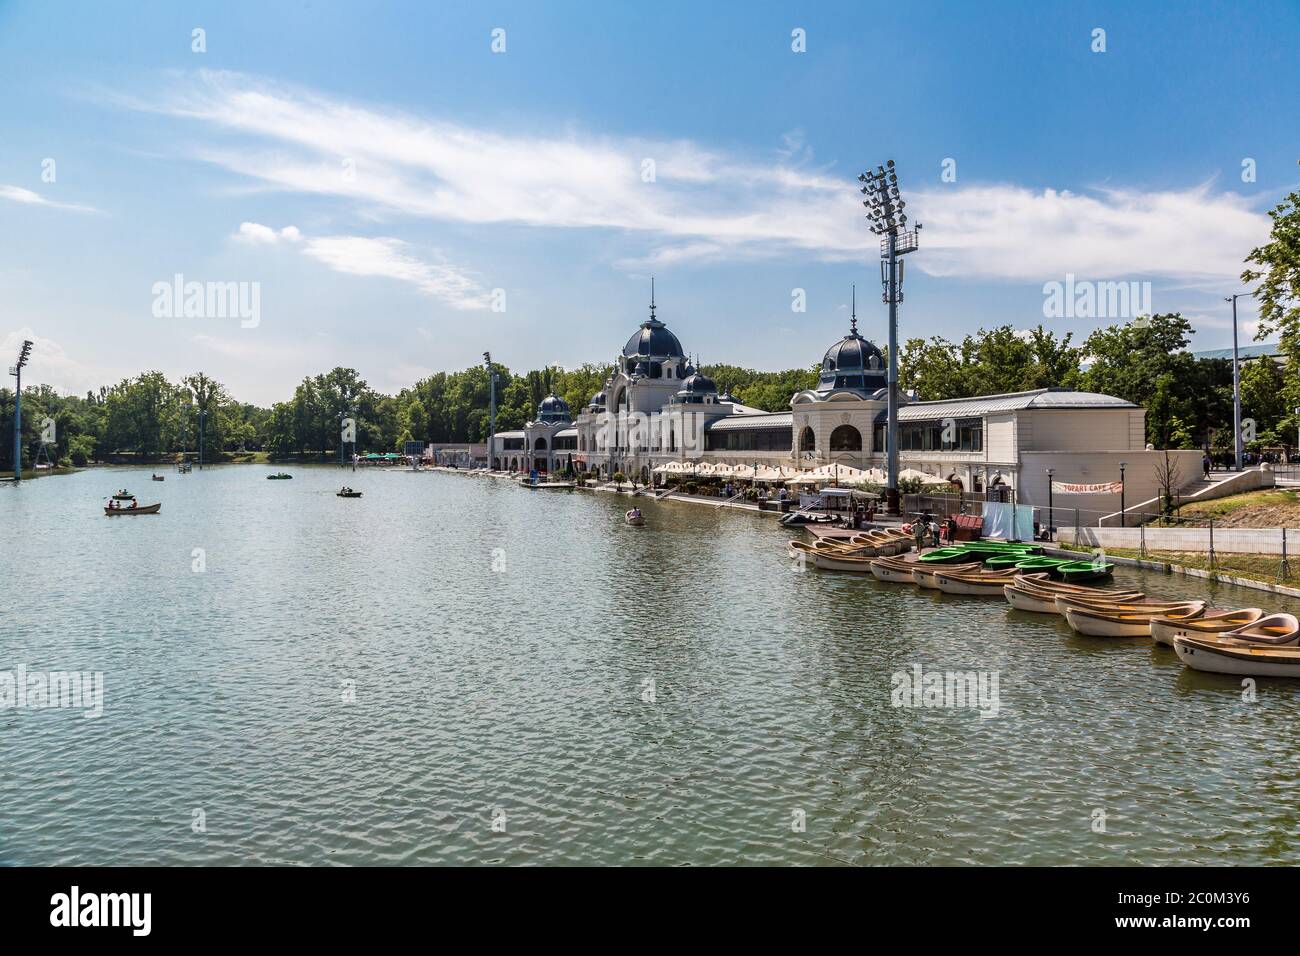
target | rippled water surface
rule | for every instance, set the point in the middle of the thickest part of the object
(521, 690)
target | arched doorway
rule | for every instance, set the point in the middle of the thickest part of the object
(807, 439)
(846, 438)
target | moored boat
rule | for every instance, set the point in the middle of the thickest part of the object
(1026, 596)
(1210, 624)
(1123, 621)
(1224, 655)
(975, 584)
(896, 570)
(1080, 571)
(923, 574)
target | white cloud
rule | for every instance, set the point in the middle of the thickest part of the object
(703, 205)
(27, 197)
(51, 365)
(382, 257)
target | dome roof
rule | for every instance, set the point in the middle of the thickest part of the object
(598, 400)
(853, 353)
(653, 340)
(697, 383)
(553, 409)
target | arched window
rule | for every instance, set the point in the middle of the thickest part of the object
(846, 438)
(540, 444)
(807, 440)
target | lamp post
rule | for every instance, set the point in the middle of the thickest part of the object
(885, 211)
(17, 372)
(1236, 383)
(1122, 466)
(1050, 513)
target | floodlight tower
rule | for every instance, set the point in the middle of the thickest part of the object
(17, 372)
(885, 211)
(492, 406)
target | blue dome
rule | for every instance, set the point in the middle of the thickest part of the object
(852, 362)
(553, 409)
(653, 340)
(598, 400)
(695, 388)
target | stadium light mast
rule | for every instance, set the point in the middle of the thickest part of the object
(885, 212)
(492, 406)
(17, 372)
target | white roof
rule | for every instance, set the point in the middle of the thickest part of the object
(1009, 402)
(755, 420)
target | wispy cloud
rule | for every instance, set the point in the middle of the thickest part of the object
(382, 257)
(30, 198)
(700, 204)
(52, 365)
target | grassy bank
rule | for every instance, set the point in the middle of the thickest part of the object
(1266, 508)
(29, 473)
(1266, 568)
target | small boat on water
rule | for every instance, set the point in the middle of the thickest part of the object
(1124, 620)
(1218, 655)
(1078, 572)
(134, 509)
(1039, 597)
(1210, 624)
(158, 477)
(347, 493)
(893, 569)
(123, 495)
(976, 583)
(923, 574)
(634, 518)
(279, 476)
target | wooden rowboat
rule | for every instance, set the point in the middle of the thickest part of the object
(977, 583)
(1107, 603)
(1096, 622)
(1278, 630)
(1026, 597)
(137, 510)
(347, 494)
(896, 570)
(924, 574)
(1213, 624)
(1223, 655)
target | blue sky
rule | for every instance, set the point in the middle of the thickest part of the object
(379, 171)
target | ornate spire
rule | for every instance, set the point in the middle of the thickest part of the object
(853, 320)
(652, 298)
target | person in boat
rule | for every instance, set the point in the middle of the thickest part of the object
(634, 513)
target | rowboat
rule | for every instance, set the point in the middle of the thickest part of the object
(1051, 565)
(897, 570)
(1278, 630)
(281, 476)
(634, 518)
(158, 477)
(924, 575)
(1225, 655)
(1079, 571)
(348, 494)
(977, 584)
(1124, 621)
(137, 510)
(829, 560)
(124, 496)
(1164, 630)
(1105, 602)
(1025, 597)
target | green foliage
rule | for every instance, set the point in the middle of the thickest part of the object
(996, 360)
(770, 391)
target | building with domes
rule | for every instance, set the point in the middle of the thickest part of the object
(657, 407)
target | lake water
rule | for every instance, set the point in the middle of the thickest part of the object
(459, 670)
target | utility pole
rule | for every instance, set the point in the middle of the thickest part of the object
(1236, 383)
(885, 211)
(17, 372)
